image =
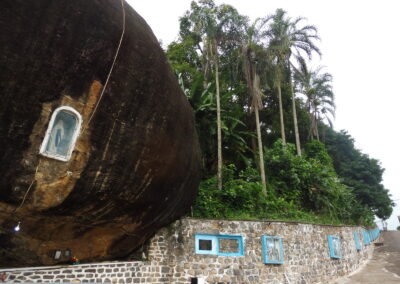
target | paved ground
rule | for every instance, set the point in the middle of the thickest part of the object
(384, 267)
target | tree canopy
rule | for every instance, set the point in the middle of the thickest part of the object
(266, 101)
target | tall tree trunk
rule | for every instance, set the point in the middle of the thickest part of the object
(254, 146)
(281, 114)
(310, 130)
(296, 127)
(310, 134)
(206, 64)
(260, 153)
(323, 134)
(219, 136)
(314, 126)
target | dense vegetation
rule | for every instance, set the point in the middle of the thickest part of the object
(264, 120)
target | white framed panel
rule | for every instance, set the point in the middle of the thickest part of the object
(61, 134)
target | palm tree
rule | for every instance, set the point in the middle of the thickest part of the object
(233, 128)
(253, 85)
(317, 88)
(285, 39)
(201, 24)
(211, 25)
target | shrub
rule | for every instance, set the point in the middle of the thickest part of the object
(299, 188)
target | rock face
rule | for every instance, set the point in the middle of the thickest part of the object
(135, 165)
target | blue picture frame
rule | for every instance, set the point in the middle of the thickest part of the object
(335, 250)
(357, 241)
(210, 238)
(366, 239)
(272, 250)
(375, 233)
(215, 246)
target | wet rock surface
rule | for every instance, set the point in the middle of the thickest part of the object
(135, 165)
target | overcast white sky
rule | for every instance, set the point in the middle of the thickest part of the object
(360, 46)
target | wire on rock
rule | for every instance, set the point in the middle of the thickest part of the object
(112, 65)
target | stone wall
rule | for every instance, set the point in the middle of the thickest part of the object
(171, 257)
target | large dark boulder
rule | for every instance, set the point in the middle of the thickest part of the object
(135, 165)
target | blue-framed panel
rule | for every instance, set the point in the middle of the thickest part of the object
(224, 245)
(335, 250)
(205, 244)
(233, 239)
(371, 235)
(375, 233)
(366, 239)
(272, 250)
(357, 241)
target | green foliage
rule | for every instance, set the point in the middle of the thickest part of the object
(398, 228)
(299, 188)
(309, 181)
(360, 172)
(317, 87)
(331, 183)
(242, 198)
(317, 151)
